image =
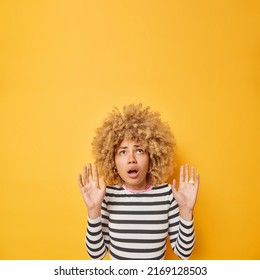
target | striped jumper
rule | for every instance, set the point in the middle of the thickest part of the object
(136, 225)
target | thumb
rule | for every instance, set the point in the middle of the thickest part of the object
(104, 185)
(174, 190)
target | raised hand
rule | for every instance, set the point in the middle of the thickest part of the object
(92, 194)
(187, 192)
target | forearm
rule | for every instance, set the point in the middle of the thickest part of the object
(186, 239)
(94, 239)
(181, 231)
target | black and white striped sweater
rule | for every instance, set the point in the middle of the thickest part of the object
(136, 225)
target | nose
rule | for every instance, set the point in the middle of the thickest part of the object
(131, 158)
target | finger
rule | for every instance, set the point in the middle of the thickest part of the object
(85, 175)
(197, 180)
(104, 185)
(186, 173)
(95, 172)
(89, 172)
(192, 174)
(181, 174)
(174, 191)
(103, 182)
(80, 181)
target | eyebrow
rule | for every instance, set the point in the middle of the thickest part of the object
(136, 146)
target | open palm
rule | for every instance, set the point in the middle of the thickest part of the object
(92, 194)
(187, 192)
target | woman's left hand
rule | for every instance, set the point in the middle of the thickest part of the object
(187, 192)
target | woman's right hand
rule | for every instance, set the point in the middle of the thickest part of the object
(92, 194)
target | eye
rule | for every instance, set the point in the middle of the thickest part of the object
(139, 151)
(122, 152)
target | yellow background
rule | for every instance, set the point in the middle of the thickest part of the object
(65, 64)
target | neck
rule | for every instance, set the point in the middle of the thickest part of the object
(135, 189)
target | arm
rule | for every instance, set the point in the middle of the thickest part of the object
(93, 197)
(95, 242)
(181, 230)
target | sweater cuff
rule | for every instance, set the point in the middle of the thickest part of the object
(187, 223)
(94, 221)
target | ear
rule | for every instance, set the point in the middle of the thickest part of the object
(115, 171)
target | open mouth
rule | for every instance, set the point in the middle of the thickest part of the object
(132, 173)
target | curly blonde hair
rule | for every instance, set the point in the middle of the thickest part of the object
(139, 124)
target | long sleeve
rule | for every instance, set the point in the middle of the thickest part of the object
(94, 239)
(139, 224)
(97, 237)
(181, 232)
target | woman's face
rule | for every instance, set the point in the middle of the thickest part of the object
(132, 163)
